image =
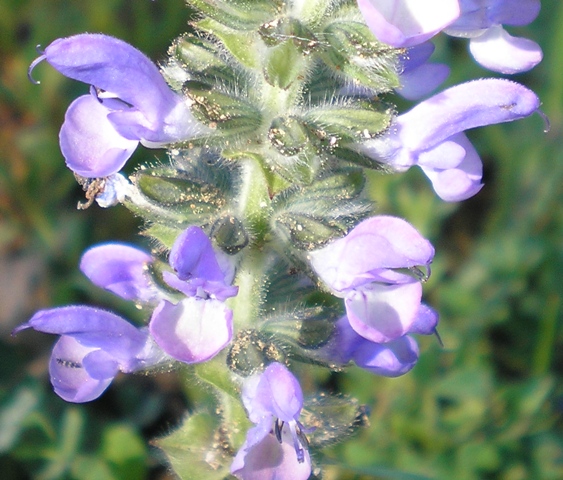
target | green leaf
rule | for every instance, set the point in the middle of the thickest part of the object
(354, 121)
(228, 114)
(205, 61)
(194, 450)
(61, 458)
(90, 467)
(284, 64)
(288, 135)
(308, 232)
(310, 216)
(245, 46)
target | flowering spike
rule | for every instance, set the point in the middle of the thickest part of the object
(273, 250)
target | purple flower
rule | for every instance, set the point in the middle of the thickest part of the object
(198, 327)
(192, 328)
(275, 449)
(129, 102)
(94, 346)
(390, 359)
(481, 21)
(431, 134)
(364, 267)
(404, 23)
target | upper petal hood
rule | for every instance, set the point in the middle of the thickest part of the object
(92, 327)
(121, 269)
(374, 245)
(435, 120)
(113, 66)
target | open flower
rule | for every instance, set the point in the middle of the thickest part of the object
(94, 346)
(404, 23)
(431, 134)
(192, 326)
(374, 268)
(492, 47)
(129, 102)
(275, 449)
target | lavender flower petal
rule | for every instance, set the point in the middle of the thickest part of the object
(381, 313)
(419, 78)
(194, 330)
(373, 246)
(269, 459)
(69, 378)
(92, 327)
(423, 80)
(426, 135)
(425, 322)
(93, 347)
(192, 255)
(490, 45)
(121, 269)
(89, 142)
(115, 67)
(276, 391)
(274, 395)
(100, 365)
(453, 181)
(390, 359)
(479, 15)
(498, 51)
(404, 23)
(130, 102)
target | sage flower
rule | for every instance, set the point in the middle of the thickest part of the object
(129, 102)
(275, 449)
(390, 359)
(94, 346)
(431, 134)
(418, 76)
(191, 326)
(375, 269)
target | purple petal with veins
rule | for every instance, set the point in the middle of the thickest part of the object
(121, 269)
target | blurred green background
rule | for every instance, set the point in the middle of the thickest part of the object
(487, 405)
